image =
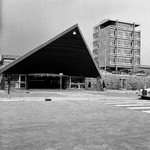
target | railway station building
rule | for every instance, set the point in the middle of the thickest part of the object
(62, 62)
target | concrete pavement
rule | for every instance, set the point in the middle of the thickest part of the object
(37, 95)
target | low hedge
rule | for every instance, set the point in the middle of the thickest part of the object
(132, 82)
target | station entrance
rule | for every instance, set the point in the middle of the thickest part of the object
(44, 82)
(54, 82)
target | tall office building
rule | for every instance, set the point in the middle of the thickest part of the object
(116, 45)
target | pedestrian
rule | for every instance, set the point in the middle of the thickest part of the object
(89, 85)
(104, 85)
(8, 84)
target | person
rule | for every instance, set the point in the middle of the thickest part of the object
(9, 84)
(104, 85)
(89, 85)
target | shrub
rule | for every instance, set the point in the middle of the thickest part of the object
(132, 82)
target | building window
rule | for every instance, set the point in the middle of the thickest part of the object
(137, 61)
(119, 50)
(120, 33)
(137, 43)
(112, 41)
(128, 35)
(95, 36)
(119, 42)
(120, 25)
(96, 60)
(137, 53)
(124, 43)
(95, 54)
(112, 32)
(137, 35)
(128, 52)
(112, 60)
(124, 52)
(127, 61)
(95, 45)
(125, 26)
(120, 61)
(112, 50)
(96, 29)
(124, 61)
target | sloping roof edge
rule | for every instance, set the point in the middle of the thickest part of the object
(46, 43)
(89, 50)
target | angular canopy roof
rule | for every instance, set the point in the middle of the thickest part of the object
(66, 53)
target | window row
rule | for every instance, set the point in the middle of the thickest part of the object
(125, 52)
(121, 60)
(95, 45)
(95, 36)
(125, 26)
(96, 29)
(124, 34)
(124, 61)
(95, 53)
(124, 43)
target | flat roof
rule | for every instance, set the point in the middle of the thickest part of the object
(109, 21)
(145, 66)
(66, 53)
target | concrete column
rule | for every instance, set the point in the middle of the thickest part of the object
(117, 47)
(133, 48)
(27, 81)
(69, 82)
(99, 84)
(19, 81)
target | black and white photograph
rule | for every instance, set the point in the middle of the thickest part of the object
(74, 75)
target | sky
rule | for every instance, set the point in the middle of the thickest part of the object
(26, 24)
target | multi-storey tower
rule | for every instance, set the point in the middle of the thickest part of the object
(116, 45)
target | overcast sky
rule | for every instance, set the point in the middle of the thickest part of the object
(25, 24)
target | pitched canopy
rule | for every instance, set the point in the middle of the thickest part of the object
(66, 53)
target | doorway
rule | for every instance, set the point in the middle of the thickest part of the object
(44, 82)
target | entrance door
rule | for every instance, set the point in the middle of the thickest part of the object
(44, 82)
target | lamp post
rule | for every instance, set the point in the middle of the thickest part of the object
(60, 74)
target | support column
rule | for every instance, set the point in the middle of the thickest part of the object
(133, 48)
(27, 82)
(99, 84)
(117, 48)
(70, 83)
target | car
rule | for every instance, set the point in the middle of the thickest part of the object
(144, 93)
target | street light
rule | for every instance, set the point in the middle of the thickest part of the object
(60, 74)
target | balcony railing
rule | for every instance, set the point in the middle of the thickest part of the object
(122, 28)
(137, 55)
(95, 56)
(125, 37)
(124, 54)
(95, 31)
(121, 63)
(125, 28)
(95, 39)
